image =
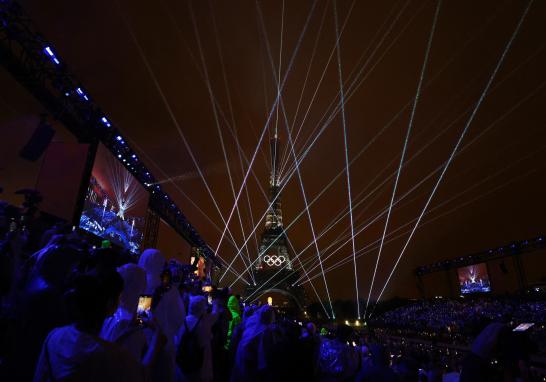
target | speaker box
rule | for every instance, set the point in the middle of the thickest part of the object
(38, 142)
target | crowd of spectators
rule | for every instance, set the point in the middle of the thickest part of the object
(70, 312)
(459, 321)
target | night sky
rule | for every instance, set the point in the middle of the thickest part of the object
(142, 63)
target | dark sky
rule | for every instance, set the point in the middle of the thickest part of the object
(495, 188)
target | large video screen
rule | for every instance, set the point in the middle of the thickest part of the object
(115, 203)
(474, 279)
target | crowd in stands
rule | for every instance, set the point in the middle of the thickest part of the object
(459, 321)
(70, 312)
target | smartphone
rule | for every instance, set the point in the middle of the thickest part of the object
(144, 306)
(523, 327)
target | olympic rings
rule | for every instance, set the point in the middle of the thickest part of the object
(274, 260)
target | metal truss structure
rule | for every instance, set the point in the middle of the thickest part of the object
(34, 63)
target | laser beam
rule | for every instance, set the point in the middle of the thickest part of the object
(267, 122)
(404, 148)
(455, 148)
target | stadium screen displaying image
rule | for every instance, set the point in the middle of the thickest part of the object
(115, 204)
(474, 279)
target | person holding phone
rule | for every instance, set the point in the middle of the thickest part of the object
(123, 327)
(167, 310)
(77, 353)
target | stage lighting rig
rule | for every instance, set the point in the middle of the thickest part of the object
(106, 122)
(82, 94)
(49, 52)
(35, 64)
(512, 249)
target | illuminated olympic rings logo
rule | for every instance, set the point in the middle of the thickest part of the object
(274, 260)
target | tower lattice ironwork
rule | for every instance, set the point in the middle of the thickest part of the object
(274, 271)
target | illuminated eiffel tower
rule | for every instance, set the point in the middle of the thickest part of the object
(274, 271)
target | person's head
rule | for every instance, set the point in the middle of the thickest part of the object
(233, 305)
(134, 285)
(94, 297)
(57, 263)
(311, 328)
(152, 261)
(198, 306)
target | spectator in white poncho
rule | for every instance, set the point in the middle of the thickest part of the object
(123, 327)
(199, 322)
(167, 310)
(252, 352)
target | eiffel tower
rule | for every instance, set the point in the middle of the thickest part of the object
(273, 271)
